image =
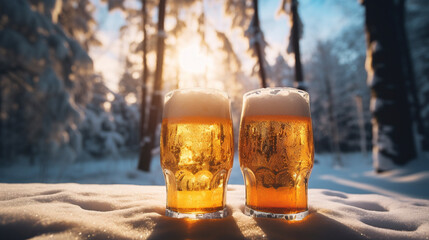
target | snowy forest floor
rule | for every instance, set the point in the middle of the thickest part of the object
(355, 176)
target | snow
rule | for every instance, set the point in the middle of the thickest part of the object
(356, 176)
(351, 202)
(76, 211)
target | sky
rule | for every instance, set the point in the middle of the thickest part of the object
(322, 19)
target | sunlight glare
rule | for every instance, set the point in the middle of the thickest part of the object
(192, 60)
(131, 98)
(136, 75)
(110, 97)
(107, 106)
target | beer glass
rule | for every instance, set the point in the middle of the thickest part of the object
(276, 152)
(196, 152)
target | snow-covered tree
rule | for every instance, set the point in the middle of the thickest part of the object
(126, 117)
(326, 66)
(45, 78)
(281, 73)
(98, 125)
(245, 20)
(350, 86)
(257, 44)
(290, 8)
(338, 64)
(110, 124)
(77, 20)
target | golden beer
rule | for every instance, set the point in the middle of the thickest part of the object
(276, 154)
(196, 154)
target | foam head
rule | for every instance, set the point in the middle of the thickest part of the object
(276, 101)
(200, 102)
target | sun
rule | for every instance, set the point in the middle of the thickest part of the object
(193, 60)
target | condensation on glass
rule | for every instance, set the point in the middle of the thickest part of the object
(196, 152)
(276, 152)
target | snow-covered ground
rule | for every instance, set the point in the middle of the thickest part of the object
(350, 202)
(356, 175)
(82, 211)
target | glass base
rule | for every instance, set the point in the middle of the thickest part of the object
(213, 215)
(290, 217)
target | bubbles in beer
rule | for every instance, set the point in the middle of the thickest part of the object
(196, 149)
(276, 149)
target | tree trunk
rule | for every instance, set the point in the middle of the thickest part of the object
(299, 76)
(361, 121)
(393, 141)
(177, 58)
(156, 107)
(335, 138)
(205, 46)
(258, 47)
(144, 82)
(2, 127)
(177, 86)
(409, 70)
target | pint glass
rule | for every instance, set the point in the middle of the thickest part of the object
(196, 152)
(276, 152)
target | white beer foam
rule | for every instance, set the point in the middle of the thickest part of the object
(196, 102)
(276, 101)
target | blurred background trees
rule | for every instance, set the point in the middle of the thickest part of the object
(416, 25)
(55, 107)
(46, 79)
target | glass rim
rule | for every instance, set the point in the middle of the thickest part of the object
(303, 93)
(198, 89)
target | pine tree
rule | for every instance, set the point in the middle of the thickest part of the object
(245, 19)
(339, 64)
(45, 78)
(325, 64)
(77, 20)
(282, 74)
